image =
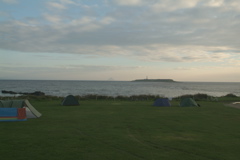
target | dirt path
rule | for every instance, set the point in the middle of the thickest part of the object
(234, 105)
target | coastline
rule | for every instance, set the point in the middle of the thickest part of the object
(120, 88)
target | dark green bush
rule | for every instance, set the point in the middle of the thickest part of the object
(230, 95)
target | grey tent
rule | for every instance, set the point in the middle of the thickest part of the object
(188, 102)
(31, 112)
(70, 100)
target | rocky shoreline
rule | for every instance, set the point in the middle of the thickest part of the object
(36, 93)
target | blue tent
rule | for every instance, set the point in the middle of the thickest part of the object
(162, 102)
(17, 110)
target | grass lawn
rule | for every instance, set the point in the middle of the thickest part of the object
(123, 130)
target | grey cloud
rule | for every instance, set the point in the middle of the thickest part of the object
(10, 1)
(63, 69)
(99, 68)
(125, 28)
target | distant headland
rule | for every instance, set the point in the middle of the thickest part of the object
(153, 80)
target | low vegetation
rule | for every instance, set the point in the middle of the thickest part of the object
(124, 129)
(197, 97)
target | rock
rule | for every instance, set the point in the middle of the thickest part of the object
(36, 93)
(8, 92)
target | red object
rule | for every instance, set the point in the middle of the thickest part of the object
(22, 113)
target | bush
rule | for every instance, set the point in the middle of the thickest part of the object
(197, 97)
(230, 95)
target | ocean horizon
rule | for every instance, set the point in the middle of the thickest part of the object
(119, 88)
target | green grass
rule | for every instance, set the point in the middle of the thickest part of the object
(123, 130)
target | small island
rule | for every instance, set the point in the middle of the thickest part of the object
(153, 80)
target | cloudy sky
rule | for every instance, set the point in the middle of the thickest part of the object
(195, 40)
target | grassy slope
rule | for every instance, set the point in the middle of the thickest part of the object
(124, 130)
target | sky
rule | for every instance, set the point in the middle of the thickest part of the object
(195, 40)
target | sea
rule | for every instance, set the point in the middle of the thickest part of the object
(119, 88)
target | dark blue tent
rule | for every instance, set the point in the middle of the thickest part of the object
(70, 100)
(162, 102)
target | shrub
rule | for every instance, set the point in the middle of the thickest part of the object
(230, 95)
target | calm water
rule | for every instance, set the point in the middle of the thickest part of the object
(115, 88)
